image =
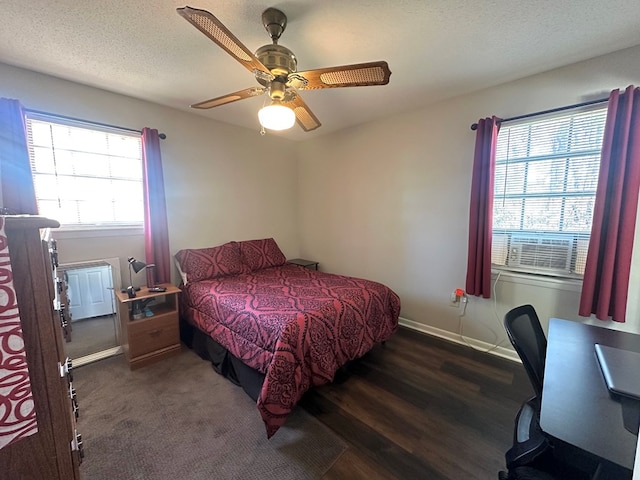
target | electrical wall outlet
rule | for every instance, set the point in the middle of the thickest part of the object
(456, 296)
(454, 300)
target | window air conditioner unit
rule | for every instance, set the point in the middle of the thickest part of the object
(546, 253)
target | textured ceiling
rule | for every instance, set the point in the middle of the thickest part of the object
(436, 49)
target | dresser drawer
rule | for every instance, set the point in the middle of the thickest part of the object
(153, 333)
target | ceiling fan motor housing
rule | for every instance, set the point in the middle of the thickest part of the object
(278, 59)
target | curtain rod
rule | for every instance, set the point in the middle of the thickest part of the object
(89, 122)
(474, 126)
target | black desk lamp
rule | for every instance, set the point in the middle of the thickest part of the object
(136, 266)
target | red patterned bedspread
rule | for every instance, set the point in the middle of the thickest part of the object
(297, 326)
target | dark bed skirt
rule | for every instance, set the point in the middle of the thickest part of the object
(222, 361)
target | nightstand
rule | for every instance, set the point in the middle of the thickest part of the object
(304, 263)
(148, 339)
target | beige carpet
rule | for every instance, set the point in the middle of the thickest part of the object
(178, 419)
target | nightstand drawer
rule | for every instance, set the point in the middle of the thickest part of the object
(151, 334)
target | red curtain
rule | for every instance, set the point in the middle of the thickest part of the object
(606, 278)
(18, 194)
(481, 209)
(156, 232)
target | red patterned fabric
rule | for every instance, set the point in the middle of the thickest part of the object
(264, 253)
(295, 325)
(202, 263)
(17, 410)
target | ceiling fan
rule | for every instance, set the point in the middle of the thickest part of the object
(275, 69)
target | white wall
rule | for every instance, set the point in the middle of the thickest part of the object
(222, 182)
(387, 200)
(390, 200)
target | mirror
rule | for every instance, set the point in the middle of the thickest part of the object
(91, 304)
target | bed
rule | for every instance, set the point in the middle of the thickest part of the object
(293, 326)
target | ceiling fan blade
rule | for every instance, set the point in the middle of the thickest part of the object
(231, 97)
(356, 75)
(305, 117)
(216, 31)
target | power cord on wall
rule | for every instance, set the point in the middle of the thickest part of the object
(465, 301)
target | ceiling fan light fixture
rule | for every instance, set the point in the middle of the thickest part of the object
(276, 117)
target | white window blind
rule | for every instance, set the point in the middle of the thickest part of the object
(545, 185)
(85, 175)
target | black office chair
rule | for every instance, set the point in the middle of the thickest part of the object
(528, 339)
(526, 473)
(533, 452)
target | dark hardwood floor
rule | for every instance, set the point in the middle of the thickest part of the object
(422, 408)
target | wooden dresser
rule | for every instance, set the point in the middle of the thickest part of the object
(54, 451)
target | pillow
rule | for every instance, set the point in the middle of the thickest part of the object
(264, 253)
(202, 263)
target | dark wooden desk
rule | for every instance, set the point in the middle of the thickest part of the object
(576, 405)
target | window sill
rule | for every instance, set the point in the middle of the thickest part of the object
(542, 281)
(96, 232)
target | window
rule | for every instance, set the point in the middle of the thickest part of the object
(85, 175)
(545, 184)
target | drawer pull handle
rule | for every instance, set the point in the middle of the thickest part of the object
(155, 333)
(79, 446)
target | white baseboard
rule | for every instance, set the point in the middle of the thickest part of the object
(94, 357)
(457, 338)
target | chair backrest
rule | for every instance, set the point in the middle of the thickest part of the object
(528, 339)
